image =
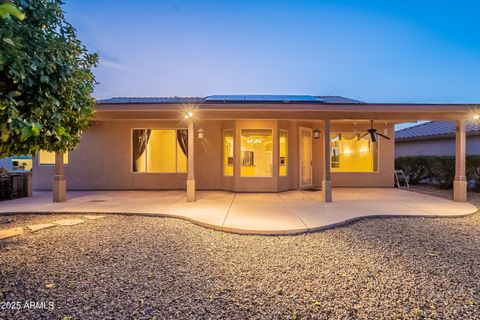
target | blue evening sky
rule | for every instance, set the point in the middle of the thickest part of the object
(376, 51)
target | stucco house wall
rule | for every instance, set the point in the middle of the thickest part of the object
(103, 159)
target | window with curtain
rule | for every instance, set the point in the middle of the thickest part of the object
(48, 158)
(228, 149)
(256, 153)
(351, 154)
(159, 150)
(283, 153)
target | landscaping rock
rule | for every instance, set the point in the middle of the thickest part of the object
(7, 233)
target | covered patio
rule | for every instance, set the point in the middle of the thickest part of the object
(287, 212)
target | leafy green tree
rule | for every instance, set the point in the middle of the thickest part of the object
(46, 82)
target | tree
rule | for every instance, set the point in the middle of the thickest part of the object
(46, 82)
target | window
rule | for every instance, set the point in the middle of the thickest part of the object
(160, 150)
(21, 163)
(46, 157)
(350, 153)
(256, 153)
(228, 152)
(283, 153)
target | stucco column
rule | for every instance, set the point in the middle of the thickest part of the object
(460, 182)
(191, 163)
(59, 181)
(326, 182)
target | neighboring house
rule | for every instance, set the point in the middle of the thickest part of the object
(435, 138)
(17, 163)
(242, 143)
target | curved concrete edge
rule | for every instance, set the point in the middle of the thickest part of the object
(286, 232)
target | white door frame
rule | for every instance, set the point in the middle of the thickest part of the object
(300, 157)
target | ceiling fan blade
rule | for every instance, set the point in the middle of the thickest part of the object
(384, 136)
(362, 136)
(372, 137)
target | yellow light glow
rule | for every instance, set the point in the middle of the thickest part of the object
(347, 152)
(189, 115)
(363, 150)
(476, 116)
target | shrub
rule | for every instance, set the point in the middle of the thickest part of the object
(439, 170)
(473, 171)
(416, 168)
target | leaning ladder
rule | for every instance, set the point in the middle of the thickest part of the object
(399, 178)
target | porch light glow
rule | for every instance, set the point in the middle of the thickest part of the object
(347, 152)
(316, 133)
(201, 133)
(188, 115)
(476, 116)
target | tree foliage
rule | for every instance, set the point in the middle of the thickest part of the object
(46, 82)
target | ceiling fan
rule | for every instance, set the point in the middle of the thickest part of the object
(373, 133)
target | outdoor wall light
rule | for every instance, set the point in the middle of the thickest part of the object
(316, 133)
(188, 115)
(476, 116)
(201, 133)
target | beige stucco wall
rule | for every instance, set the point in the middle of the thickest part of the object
(435, 147)
(103, 161)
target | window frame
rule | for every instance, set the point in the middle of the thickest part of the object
(156, 172)
(286, 151)
(223, 152)
(273, 149)
(364, 172)
(65, 163)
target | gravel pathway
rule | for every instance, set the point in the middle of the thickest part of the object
(124, 267)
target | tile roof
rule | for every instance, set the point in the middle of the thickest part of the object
(232, 99)
(433, 129)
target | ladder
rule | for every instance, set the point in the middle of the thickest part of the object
(399, 178)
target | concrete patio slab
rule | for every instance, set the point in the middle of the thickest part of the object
(8, 233)
(253, 213)
(40, 226)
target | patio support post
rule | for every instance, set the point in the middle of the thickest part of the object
(326, 183)
(190, 164)
(460, 182)
(59, 181)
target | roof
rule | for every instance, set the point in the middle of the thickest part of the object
(434, 129)
(233, 99)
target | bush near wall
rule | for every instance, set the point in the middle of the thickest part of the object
(438, 170)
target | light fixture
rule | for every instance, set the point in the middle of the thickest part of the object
(188, 115)
(316, 133)
(347, 152)
(476, 116)
(201, 133)
(254, 141)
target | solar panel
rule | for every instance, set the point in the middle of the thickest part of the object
(263, 98)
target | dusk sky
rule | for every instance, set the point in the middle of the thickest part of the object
(375, 51)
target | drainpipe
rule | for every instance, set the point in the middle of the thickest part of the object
(326, 182)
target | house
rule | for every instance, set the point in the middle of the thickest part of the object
(17, 164)
(241, 143)
(435, 138)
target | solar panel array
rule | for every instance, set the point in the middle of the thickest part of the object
(263, 98)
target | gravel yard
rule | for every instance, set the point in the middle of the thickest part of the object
(124, 267)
